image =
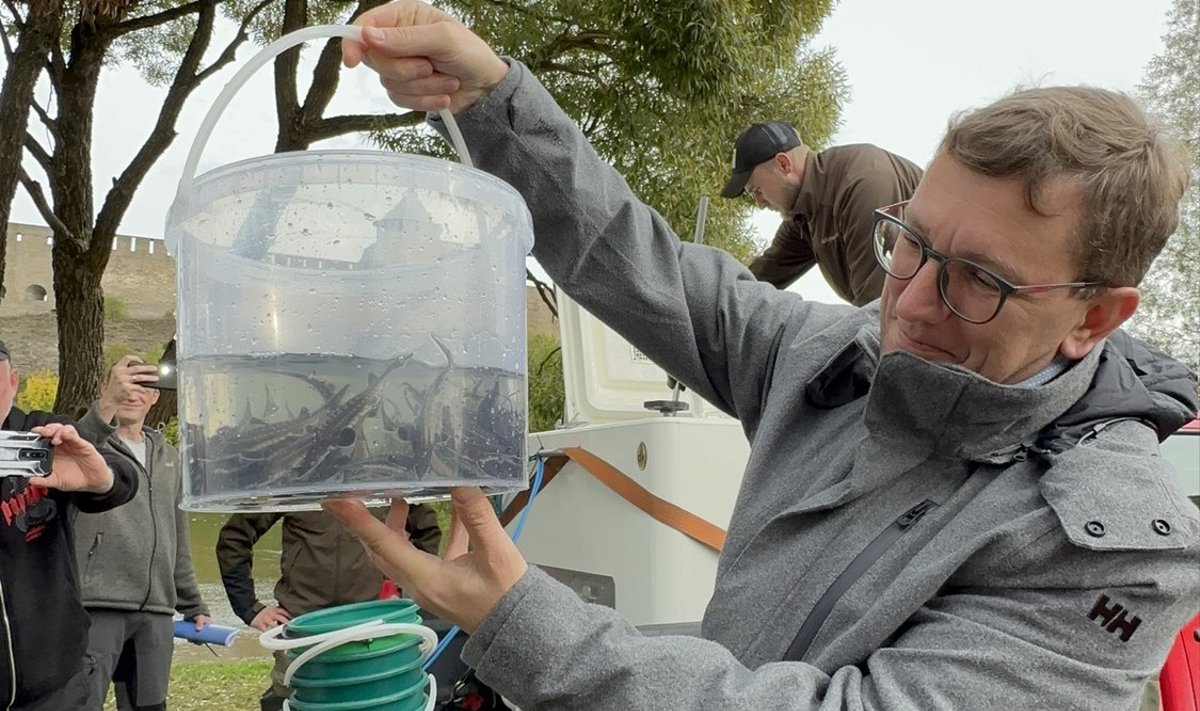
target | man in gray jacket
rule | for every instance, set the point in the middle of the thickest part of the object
(954, 498)
(135, 562)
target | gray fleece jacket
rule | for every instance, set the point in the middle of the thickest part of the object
(138, 556)
(915, 536)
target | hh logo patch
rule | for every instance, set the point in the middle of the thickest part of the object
(1115, 618)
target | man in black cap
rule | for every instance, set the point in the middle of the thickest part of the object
(827, 200)
(44, 629)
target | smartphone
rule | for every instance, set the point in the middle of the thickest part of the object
(166, 376)
(24, 454)
(166, 369)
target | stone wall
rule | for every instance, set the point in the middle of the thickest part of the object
(139, 273)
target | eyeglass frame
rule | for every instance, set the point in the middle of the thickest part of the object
(1006, 287)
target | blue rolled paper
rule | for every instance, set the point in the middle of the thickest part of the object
(210, 634)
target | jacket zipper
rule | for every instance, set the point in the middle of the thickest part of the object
(153, 522)
(862, 562)
(12, 663)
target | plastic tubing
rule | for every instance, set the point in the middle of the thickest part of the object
(256, 62)
(321, 643)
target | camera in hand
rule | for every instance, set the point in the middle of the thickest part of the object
(24, 454)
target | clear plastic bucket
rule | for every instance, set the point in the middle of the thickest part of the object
(349, 322)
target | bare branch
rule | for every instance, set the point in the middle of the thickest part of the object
(39, 199)
(158, 18)
(352, 123)
(8, 50)
(18, 22)
(230, 52)
(47, 121)
(287, 66)
(545, 291)
(328, 71)
(40, 154)
(56, 67)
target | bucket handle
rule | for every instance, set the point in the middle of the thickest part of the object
(256, 62)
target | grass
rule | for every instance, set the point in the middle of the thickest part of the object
(223, 685)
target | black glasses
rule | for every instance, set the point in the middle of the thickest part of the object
(971, 291)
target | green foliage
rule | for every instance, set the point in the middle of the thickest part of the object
(170, 431)
(115, 310)
(113, 353)
(1170, 313)
(38, 391)
(662, 89)
(546, 396)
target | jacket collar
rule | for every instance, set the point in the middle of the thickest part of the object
(932, 409)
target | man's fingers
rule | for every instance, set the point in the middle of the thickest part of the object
(477, 515)
(457, 543)
(432, 40)
(397, 516)
(403, 560)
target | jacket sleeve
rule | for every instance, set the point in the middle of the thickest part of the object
(423, 529)
(694, 310)
(855, 209)
(92, 427)
(235, 557)
(786, 259)
(188, 600)
(125, 484)
(1012, 648)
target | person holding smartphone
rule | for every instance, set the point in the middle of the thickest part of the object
(43, 628)
(135, 562)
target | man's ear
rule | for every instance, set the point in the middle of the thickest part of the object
(1105, 313)
(784, 162)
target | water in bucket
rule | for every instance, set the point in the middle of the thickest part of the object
(349, 322)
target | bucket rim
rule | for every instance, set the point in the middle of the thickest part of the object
(314, 623)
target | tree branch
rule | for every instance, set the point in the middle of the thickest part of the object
(47, 121)
(116, 202)
(230, 52)
(287, 66)
(545, 291)
(352, 123)
(18, 22)
(41, 155)
(8, 50)
(39, 199)
(158, 18)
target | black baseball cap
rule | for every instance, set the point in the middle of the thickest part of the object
(758, 144)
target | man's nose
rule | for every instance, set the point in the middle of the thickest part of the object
(919, 299)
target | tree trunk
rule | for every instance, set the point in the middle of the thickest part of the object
(80, 331)
(16, 95)
(78, 256)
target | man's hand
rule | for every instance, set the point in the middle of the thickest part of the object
(465, 586)
(269, 617)
(127, 376)
(426, 59)
(77, 465)
(202, 621)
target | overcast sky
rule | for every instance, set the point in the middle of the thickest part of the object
(910, 65)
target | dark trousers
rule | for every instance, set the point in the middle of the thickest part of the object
(133, 651)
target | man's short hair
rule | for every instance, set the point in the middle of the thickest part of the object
(1131, 175)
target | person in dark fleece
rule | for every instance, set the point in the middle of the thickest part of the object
(43, 626)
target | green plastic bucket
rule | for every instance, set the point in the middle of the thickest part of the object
(377, 674)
